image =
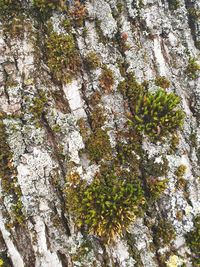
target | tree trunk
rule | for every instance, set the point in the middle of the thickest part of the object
(57, 93)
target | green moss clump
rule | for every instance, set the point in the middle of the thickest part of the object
(95, 99)
(92, 61)
(48, 4)
(164, 233)
(6, 169)
(156, 187)
(174, 4)
(12, 16)
(56, 128)
(162, 81)
(83, 128)
(122, 67)
(133, 250)
(154, 175)
(107, 206)
(9, 9)
(46, 7)
(193, 242)
(174, 143)
(101, 38)
(62, 57)
(8, 178)
(197, 43)
(193, 139)
(106, 79)
(131, 89)
(78, 13)
(98, 145)
(156, 114)
(66, 23)
(5, 261)
(127, 157)
(98, 118)
(38, 106)
(15, 27)
(17, 210)
(193, 69)
(194, 14)
(120, 7)
(152, 168)
(180, 171)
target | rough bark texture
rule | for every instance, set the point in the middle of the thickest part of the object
(42, 139)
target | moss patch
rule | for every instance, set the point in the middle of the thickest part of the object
(107, 206)
(193, 242)
(8, 178)
(98, 146)
(131, 89)
(162, 81)
(106, 79)
(78, 13)
(38, 107)
(164, 233)
(174, 4)
(13, 17)
(10, 9)
(45, 8)
(62, 57)
(156, 114)
(92, 61)
(98, 118)
(193, 69)
(180, 171)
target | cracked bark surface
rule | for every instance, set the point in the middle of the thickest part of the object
(41, 140)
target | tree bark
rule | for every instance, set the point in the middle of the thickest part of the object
(41, 137)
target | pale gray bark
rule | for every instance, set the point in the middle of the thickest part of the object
(161, 41)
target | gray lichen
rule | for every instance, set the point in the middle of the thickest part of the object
(48, 121)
